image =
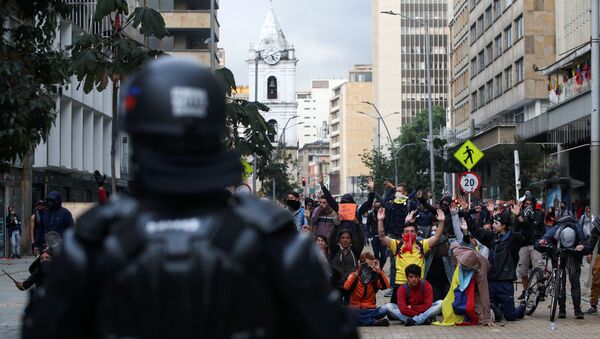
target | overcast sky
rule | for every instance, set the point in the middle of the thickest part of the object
(329, 35)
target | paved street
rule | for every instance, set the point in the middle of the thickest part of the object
(12, 302)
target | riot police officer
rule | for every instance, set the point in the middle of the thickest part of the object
(181, 257)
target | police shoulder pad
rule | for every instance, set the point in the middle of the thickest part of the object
(94, 224)
(264, 215)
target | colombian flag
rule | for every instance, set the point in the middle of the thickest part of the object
(458, 308)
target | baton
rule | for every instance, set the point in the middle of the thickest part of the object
(8, 275)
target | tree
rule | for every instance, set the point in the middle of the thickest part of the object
(32, 71)
(531, 158)
(113, 55)
(381, 167)
(413, 161)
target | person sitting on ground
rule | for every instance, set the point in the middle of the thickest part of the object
(345, 260)
(348, 215)
(38, 269)
(408, 250)
(415, 300)
(363, 285)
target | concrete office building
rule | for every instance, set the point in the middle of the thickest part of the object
(189, 23)
(565, 126)
(399, 58)
(493, 84)
(313, 160)
(313, 110)
(350, 134)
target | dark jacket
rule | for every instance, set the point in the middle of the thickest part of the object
(322, 221)
(594, 236)
(581, 239)
(13, 223)
(504, 250)
(535, 227)
(57, 218)
(395, 214)
(342, 264)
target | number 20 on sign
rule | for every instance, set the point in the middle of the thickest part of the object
(469, 182)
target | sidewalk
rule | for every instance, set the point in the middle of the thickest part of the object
(12, 301)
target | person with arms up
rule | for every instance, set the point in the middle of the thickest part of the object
(179, 253)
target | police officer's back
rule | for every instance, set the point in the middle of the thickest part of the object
(181, 258)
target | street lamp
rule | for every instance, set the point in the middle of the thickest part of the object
(425, 23)
(256, 60)
(282, 137)
(389, 137)
(378, 125)
(405, 145)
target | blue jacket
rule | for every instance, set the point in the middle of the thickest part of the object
(56, 218)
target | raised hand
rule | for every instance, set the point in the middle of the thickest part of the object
(370, 184)
(410, 217)
(463, 225)
(516, 209)
(490, 205)
(321, 179)
(381, 214)
(440, 215)
(463, 203)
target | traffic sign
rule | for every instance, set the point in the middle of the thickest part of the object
(468, 154)
(469, 182)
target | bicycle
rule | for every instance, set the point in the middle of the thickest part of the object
(545, 282)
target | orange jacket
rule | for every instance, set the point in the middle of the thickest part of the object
(363, 296)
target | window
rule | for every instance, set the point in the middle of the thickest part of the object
(489, 51)
(508, 36)
(481, 98)
(519, 27)
(499, 84)
(481, 58)
(488, 17)
(519, 69)
(490, 90)
(473, 67)
(508, 3)
(474, 100)
(272, 87)
(480, 26)
(497, 8)
(473, 34)
(508, 77)
(498, 43)
(272, 134)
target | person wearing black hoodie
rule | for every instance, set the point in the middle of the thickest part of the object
(348, 216)
(56, 218)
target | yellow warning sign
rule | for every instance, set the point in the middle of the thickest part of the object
(468, 154)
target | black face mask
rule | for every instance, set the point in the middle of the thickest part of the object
(294, 205)
(366, 275)
(45, 267)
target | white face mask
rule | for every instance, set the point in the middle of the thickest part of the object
(400, 196)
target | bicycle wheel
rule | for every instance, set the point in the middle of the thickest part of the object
(555, 295)
(534, 290)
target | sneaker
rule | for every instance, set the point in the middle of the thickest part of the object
(562, 314)
(389, 292)
(523, 295)
(427, 321)
(497, 313)
(592, 310)
(410, 322)
(382, 322)
(578, 314)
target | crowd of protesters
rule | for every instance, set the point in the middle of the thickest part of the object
(451, 262)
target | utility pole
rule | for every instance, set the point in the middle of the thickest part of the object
(212, 35)
(595, 116)
(429, 108)
(254, 160)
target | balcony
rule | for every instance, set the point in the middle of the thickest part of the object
(568, 90)
(189, 20)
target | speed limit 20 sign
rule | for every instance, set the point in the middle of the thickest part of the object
(469, 182)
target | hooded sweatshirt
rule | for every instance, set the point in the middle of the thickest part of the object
(56, 218)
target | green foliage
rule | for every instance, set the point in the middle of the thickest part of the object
(531, 158)
(31, 73)
(277, 170)
(413, 161)
(381, 168)
(95, 59)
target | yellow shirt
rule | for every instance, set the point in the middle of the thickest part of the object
(405, 259)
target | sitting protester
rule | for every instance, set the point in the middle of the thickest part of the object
(38, 269)
(415, 300)
(345, 260)
(362, 285)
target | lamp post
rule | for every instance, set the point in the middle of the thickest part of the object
(282, 137)
(595, 114)
(378, 125)
(405, 145)
(389, 137)
(425, 23)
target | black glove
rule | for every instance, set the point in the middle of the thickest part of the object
(99, 178)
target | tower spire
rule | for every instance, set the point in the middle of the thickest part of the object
(271, 33)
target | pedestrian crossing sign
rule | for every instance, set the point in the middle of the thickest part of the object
(468, 154)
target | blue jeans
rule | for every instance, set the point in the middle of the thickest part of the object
(15, 240)
(502, 295)
(394, 312)
(367, 317)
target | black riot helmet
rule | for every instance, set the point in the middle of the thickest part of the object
(174, 111)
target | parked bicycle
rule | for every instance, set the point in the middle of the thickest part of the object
(546, 281)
